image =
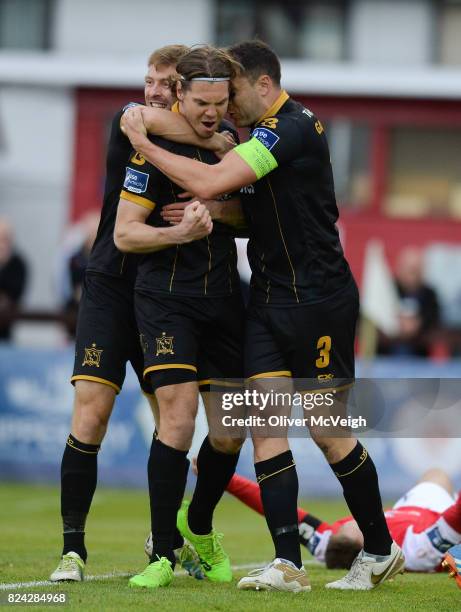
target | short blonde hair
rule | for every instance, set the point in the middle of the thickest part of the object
(167, 56)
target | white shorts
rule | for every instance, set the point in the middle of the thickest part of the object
(427, 495)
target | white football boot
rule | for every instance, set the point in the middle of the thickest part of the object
(70, 567)
(366, 573)
(279, 575)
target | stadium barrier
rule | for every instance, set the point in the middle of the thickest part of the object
(35, 410)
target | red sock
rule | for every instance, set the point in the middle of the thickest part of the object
(248, 492)
(452, 515)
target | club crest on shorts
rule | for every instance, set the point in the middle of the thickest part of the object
(164, 345)
(92, 356)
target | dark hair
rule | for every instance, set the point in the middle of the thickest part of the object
(206, 61)
(257, 59)
(167, 56)
(341, 552)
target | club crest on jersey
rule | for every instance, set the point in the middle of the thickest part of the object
(164, 345)
(135, 181)
(265, 137)
(92, 356)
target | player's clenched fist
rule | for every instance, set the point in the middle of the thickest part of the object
(196, 223)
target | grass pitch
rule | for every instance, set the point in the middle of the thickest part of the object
(30, 544)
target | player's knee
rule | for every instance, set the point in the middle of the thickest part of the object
(92, 410)
(177, 429)
(227, 446)
(334, 449)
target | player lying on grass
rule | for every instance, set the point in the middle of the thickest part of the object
(424, 522)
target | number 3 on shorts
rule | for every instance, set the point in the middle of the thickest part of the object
(324, 346)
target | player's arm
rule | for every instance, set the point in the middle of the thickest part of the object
(228, 211)
(173, 126)
(285, 140)
(132, 235)
(205, 181)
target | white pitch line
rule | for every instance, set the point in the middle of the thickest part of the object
(40, 583)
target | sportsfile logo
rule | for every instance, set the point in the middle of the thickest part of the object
(135, 181)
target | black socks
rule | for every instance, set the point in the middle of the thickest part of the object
(167, 473)
(79, 469)
(215, 469)
(278, 482)
(359, 480)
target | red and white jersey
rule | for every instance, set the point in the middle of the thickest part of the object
(407, 526)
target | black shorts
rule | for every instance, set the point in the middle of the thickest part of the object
(314, 341)
(191, 338)
(107, 335)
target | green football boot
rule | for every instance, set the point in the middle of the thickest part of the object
(157, 574)
(214, 561)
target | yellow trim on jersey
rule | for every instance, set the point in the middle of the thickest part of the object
(132, 197)
(170, 366)
(175, 108)
(271, 374)
(274, 109)
(283, 241)
(96, 379)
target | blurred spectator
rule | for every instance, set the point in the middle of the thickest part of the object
(76, 267)
(418, 315)
(13, 276)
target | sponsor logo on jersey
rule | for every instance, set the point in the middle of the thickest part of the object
(135, 181)
(265, 137)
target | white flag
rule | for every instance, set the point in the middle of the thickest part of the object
(379, 299)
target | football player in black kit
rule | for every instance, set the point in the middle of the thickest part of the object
(190, 313)
(107, 335)
(303, 303)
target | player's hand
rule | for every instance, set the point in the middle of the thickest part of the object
(196, 223)
(173, 213)
(225, 142)
(132, 123)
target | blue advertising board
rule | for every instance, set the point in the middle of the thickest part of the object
(36, 406)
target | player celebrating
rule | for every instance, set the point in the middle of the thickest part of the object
(303, 302)
(190, 314)
(107, 335)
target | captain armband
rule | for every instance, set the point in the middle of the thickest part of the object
(257, 156)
